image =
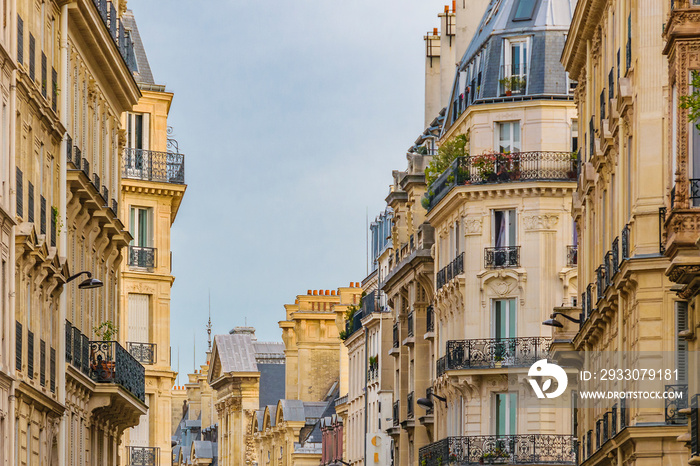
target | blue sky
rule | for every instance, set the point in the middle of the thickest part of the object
(291, 116)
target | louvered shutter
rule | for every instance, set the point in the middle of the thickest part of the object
(138, 318)
(681, 343)
(30, 202)
(42, 363)
(18, 346)
(30, 354)
(32, 59)
(20, 40)
(52, 369)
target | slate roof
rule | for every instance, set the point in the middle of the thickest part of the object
(143, 74)
(202, 449)
(236, 353)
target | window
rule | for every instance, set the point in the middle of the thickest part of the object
(524, 10)
(508, 136)
(503, 228)
(504, 318)
(506, 405)
(574, 135)
(137, 130)
(515, 60)
(141, 226)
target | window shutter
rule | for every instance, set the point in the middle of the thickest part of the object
(30, 202)
(52, 369)
(18, 346)
(681, 343)
(138, 318)
(42, 213)
(54, 94)
(20, 40)
(42, 363)
(32, 60)
(43, 74)
(30, 354)
(19, 194)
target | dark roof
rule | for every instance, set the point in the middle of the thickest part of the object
(143, 74)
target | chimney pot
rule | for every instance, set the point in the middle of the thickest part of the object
(435, 31)
(315, 292)
(332, 292)
(357, 284)
(308, 292)
(454, 5)
(447, 9)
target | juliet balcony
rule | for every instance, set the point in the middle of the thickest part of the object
(145, 353)
(501, 449)
(143, 456)
(492, 352)
(142, 257)
(450, 271)
(150, 165)
(502, 257)
(492, 168)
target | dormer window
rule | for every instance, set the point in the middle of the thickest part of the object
(514, 70)
(525, 10)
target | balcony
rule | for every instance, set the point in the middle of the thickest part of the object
(111, 363)
(440, 366)
(77, 349)
(142, 257)
(341, 401)
(396, 335)
(149, 165)
(675, 405)
(430, 319)
(503, 168)
(502, 257)
(410, 323)
(409, 406)
(450, 271)
(395, 412)
(143, 456)
(512, 80)
(491, 352)
(120, 36)
(504, 449)
(145, 353)
(572, 256)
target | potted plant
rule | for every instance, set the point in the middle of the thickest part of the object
(572, 173)
(506, 83)
(103, 362)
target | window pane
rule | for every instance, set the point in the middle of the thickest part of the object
(525, 9)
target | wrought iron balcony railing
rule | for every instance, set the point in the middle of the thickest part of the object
(409, 406)
(440, 366)
(141, 256)
(410, 323)
(111, 363)
(450, 271)
(626, 242)
(513, 79)
(396, 335)
(679, 402)
(695, 426)
(430, 319)
(150, 165)
(492, 352)
(616, 255)
(143, 456)
(145, 353)
(572, 256)
(117, 31)
(395, 412)
(501, 449)
(77, 349)
(503, 168)
(502, 257)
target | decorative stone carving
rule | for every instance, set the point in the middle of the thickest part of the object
(472, 226)
(540, 222)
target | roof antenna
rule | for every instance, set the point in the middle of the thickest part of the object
(209, 324)
(194, 351)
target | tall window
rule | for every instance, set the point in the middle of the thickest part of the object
(137, 130)
(141, 226)
(503, 228)
(513, 76)
(504, 318)
(506, 407)
(681, 343)
(574, 135)
(508, 136)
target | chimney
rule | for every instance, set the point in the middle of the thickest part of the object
(432, 76)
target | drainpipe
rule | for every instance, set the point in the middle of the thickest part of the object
(366, 395)
(63, 236)
(11, 275)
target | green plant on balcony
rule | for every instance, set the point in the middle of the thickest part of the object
(691, 102)
(494, 455)
(447, 153)
(106, 331)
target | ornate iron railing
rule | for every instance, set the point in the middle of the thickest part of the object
(410, 323)
(96, 182)
(116, 30)
(512, 79)
(608, 268)
(440, 366)
(613, 421)
(626, 242)
(501, 449)
(694, 426)
(396, 335)
(143, 456)
(679, 402)
(623, 414)
(589, 300)
(600, 281)
(149, 165)
(395, 412)
(492, 352)
(572, 256)
(429, 319)
(69, 345)
(141, 256)
(77, 348)
(145, 353)
(502, 257)
(409, 406)
(111, 363)
(503, 168)
(616, 255)
(440, 278)
(86, 167)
